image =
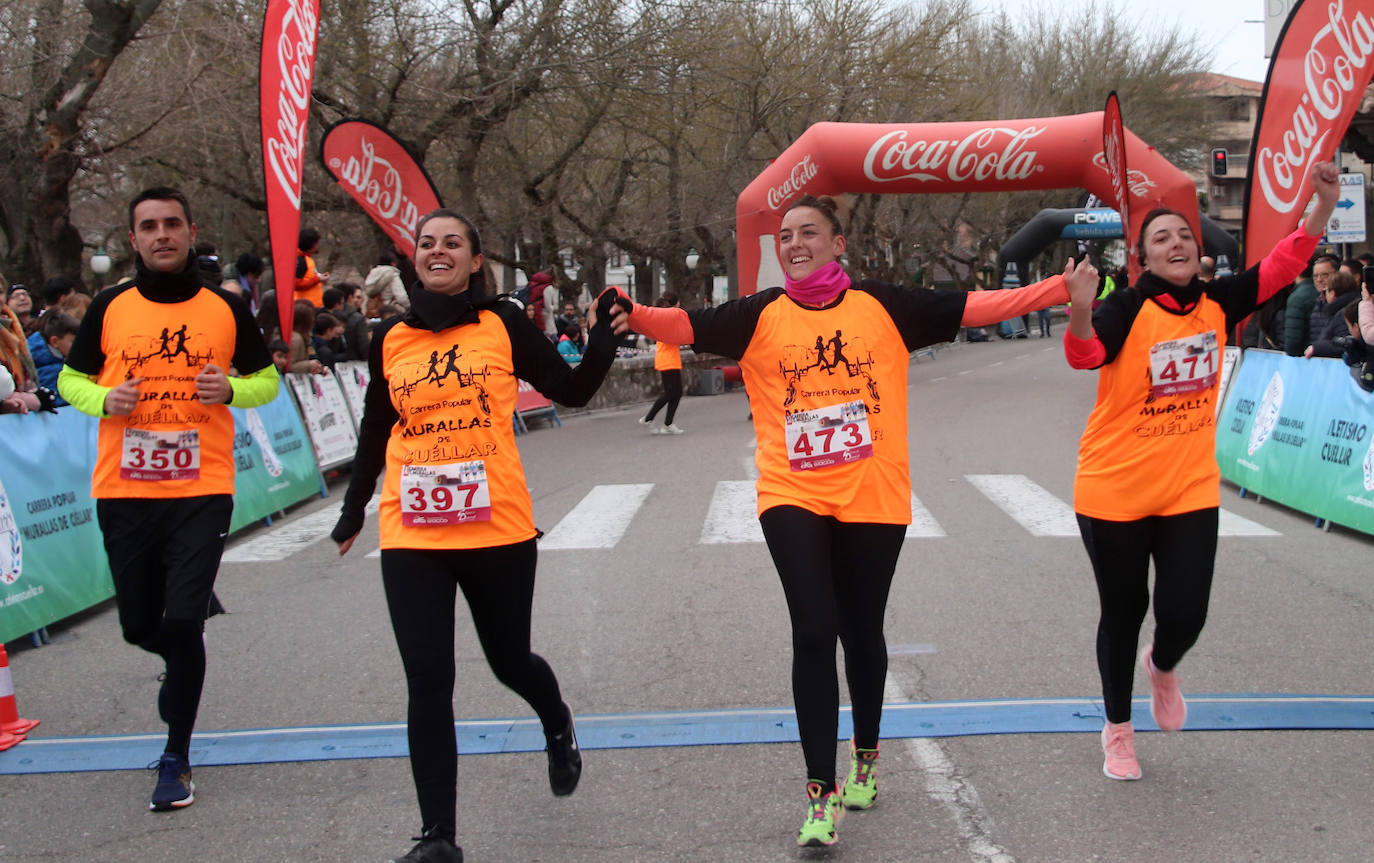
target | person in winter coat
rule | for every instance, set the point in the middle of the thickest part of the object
(1341, 291)
(49, 347)
(539, 299)
(383, 284)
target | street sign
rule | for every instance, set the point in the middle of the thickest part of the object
(1347, 224)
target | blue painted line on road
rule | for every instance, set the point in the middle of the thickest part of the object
(686, 728)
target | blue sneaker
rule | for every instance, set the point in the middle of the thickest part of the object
(174, 790)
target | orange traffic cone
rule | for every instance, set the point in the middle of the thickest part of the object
(8, 740)
(10, 723)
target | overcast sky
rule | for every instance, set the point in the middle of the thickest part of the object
(1222, 23)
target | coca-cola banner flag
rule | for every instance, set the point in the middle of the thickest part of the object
(381, 176)
(286, 70)
(1114, 152)
(919, 158)
(1322, 63)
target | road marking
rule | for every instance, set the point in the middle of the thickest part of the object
(599, 520)
(923, 524)
(732, 515)
(901, 720)
(279, 543)
(1230, 524)
(1032, 507)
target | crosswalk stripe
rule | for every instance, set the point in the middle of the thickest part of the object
(733, 514)
(1030, 505)
(1230, 524)
(279, 543)
(599, 520)
(923, 524)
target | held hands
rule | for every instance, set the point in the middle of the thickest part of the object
(212, 386)
(619, 306)
(1082, 281)
(121, 401)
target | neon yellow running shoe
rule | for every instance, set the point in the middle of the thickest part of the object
(823, 812)
(860, 790)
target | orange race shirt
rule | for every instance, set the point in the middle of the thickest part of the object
(453, 475)
(667, 357)
(828, 390)
(171, 446)
(1149, 447)
(310, 286)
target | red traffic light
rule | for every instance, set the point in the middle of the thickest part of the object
(1219, 162)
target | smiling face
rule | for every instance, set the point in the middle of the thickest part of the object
(808, 242)
(443, 256)
(1170, 250)
(162, 235)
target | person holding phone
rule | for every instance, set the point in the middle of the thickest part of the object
(1148, 485)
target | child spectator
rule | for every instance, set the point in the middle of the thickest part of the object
(49, 347)
(281, 355)
(567, 345)
(303, 359)
(328, 339)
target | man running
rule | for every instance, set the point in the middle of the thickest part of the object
(164, 471)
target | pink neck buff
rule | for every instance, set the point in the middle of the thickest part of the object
(819, 288)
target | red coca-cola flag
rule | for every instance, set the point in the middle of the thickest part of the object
(1114, 153)
(285, 72)
(1322, 63)
(381, 176)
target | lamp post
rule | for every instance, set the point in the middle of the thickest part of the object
(100, 265)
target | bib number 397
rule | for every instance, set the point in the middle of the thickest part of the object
(827, 436)
(435, 495)
(158, 455)
(1184, 365)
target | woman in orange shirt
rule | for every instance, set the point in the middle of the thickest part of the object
(1148, 484)
(825, 363)
(455, 510)
(668, 364)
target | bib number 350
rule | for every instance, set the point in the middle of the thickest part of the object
(157, 455)
(434, 495)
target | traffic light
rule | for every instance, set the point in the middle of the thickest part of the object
(1219, 162)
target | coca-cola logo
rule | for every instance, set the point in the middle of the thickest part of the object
(1138, 182)
(796, 178)
(1286, 158)
(994, 152)
(284, 136)
(378, 184)
(1114, 152)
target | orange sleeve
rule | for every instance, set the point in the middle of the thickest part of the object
(663, 325)
(990, 307)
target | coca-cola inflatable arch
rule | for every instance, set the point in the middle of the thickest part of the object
(927, 158)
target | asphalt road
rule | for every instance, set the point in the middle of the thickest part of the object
(665, 624)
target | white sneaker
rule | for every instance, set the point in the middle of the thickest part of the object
(645, 421)
(672, 429)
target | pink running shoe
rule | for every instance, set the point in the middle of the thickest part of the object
(1118, 744)
(1167, 707)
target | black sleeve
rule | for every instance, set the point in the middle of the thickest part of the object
(357, 338)
(379, 415)
(728, 328)
(86, 355)
(1237, 295)
(250, 351)
(537, 360)
(923, 317)
(1113, 318)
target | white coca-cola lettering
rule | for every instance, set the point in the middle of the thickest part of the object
(285, 144)
(796, 178)
(996, 152)
(1329, 79)
(385, 197)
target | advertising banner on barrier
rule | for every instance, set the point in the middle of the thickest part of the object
(353, 378)
(1298, 431)
(52, 558)
(326, 416)
(273, 460)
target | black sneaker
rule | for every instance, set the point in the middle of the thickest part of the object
(174, 790)
(565, 759)
(432, 849)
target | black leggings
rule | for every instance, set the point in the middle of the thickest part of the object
(836, 577)
(1184, 548)
(421, 590)
(672, 394)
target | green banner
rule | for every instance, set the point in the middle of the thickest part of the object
(273, 460)
(52, 558)
(1301, 432)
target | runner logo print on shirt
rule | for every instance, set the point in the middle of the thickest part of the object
(827, 355)
(1183, 366)
(168, 345)
(447, 369)
(838, 432)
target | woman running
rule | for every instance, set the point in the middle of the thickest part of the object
(668, 364)
(1148, 484)
(825, 367)
(455, 511)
